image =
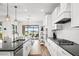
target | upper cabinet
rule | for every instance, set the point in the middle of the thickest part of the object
(75, 14)
(54, 15)
(54, 19)
(65, 7)
(63, 13)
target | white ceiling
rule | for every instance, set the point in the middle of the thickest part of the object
(33, 10)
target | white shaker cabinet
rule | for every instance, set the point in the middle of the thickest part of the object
(54, 19)
(64, 13)
(54, 15)
(75, 14)
(52, 47)
(56, 50)
(6, 53)
(26, 48)
(65, 7)
(61, 15)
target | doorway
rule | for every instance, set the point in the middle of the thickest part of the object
(31, 30)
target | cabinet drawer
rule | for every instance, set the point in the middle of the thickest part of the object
(6, 53)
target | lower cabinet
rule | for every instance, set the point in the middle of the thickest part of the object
(26, 48)
(52, 48)
(7, 53)
(19, 52)
(56, 50)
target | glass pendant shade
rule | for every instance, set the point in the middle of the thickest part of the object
(7, 18)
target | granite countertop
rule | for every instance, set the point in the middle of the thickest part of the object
(72, 49)
(11, 46)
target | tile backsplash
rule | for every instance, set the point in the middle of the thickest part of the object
(69, 33)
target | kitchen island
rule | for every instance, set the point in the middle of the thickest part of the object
(12, 49)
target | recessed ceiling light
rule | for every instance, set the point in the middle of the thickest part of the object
(42, 10)
(26, 10)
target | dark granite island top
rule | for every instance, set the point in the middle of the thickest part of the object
(72, 49)
(11, 46)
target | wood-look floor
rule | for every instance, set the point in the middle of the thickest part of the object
(44, 51)
(39, 50)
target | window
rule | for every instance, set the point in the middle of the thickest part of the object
(31, 30)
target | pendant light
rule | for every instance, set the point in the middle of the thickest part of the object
(15, 21)
(7, 16)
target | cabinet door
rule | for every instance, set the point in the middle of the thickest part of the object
(26, 48)
(49, 47)
(54, 15)
(52, 48)
(6, 53)
(75, 14)
(65, 7)
(19, 52)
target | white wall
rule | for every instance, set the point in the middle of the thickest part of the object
(40, 23)
(20, 29)
(49, 25)
(8, 31)
(69, 33)
(8, 26)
